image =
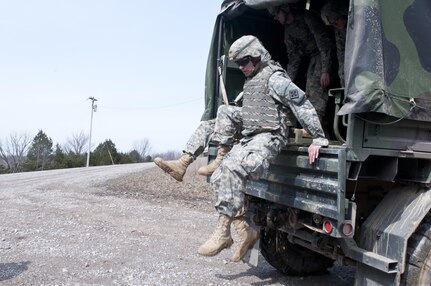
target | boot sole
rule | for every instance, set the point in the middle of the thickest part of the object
(168, 170)
(250, 245)
(225, 245)
(206, 174)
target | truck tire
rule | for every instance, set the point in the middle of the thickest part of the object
(418, 260)
(291, 259)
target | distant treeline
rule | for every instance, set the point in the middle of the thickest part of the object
(21, 153)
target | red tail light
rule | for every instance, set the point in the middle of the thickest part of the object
(327, 226)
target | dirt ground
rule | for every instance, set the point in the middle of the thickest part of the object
(120, 225)
(155, 186)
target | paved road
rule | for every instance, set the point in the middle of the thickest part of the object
(59, 228)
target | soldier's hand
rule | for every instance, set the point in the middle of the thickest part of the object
(313, 153)
(325, 80)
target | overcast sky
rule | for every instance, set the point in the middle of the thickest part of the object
(144, 61)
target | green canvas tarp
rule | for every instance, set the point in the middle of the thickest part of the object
(388, 58)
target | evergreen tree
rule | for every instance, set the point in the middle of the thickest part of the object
(75, 160)
(59, 159)
(39, 153)
(125, 158)
(135, 156)
(105, 154)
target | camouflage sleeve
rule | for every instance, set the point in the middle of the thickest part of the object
(340, 42)
(283, 90)
(293, 56)
(324, 44)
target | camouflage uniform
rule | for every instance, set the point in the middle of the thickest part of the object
(330, 13)
(194, 147)
(200, 138)
(307, 37)
(340, 42)
(262, 142)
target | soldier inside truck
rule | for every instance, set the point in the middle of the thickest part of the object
(258, 23)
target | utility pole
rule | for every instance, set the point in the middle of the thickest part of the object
(93, 109)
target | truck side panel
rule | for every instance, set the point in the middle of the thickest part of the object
(318, 188)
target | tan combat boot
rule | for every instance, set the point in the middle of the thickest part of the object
(220, 239)
(210, 168)
(175, 168)
(247, 238)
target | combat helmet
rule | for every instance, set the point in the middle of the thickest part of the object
(248, 46)
(273, 10)
(333, 10)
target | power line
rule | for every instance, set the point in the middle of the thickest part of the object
(149, 108)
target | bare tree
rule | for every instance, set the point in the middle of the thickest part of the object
(143, 147)
(13, 151)
(169, 155)
(76, 143)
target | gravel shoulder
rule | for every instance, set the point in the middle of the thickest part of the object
(120, 225)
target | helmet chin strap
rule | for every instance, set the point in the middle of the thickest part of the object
(254, 71)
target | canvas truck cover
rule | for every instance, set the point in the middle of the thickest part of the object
(388, 56)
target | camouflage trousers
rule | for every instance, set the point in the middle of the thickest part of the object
(249, 159)
(315, 92)
(200, 138)
(228, 124)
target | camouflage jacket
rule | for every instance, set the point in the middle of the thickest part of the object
(284, 91)
(306, 36)
(340, 42)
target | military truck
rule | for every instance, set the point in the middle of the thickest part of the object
(367, 200)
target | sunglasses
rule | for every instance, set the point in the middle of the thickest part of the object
(331, 21)
(243, 61)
